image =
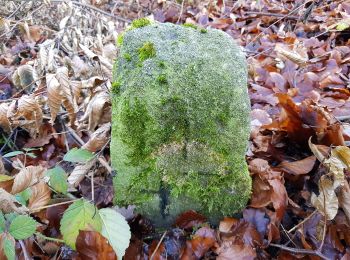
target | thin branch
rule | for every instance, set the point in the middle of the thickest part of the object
(302, 222)
(24, 249)
(301, 251)
(158, 245)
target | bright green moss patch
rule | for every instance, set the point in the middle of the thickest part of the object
(127, 56)
(180, 123)
(190, 25)
(146, 51)
(120, 39)
(203, 30)
(138, 23)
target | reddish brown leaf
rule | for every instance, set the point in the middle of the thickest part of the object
(189, 219)
(229, 251)
(92, 245)
(303, 166)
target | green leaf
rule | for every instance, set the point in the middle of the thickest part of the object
(24, 196)
(58, 179)
(8, 245)
(22, 227)
(78, 155)
(11, 216)
(116, 229)
(11, 154)
(31, 155)
(81, 215)
(2, 223)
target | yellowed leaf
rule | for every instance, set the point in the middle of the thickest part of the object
(27, 177)
(40, 196)
(344, 199)
(294, 55)
(99, 138)
(343, 153)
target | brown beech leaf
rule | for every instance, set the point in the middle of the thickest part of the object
(189, 219)
(4, 121)
(98, 139)
(29, 109)
(9, 204)
(27, 177)
(6, 182)
(95, 109)
(229, 250)
(92, 245)
(24, 76)
(303, 166)
(54, 95)
(201, 242)
(40, 196)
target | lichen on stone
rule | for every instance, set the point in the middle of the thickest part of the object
(180, 123)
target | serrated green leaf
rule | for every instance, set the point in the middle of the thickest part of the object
(78, 156)
(81, 215)
(23, 196)
(58, 179)
(2, 223)
(11, 154)
(116, 229)
(22, 227)
(11, 216)
(7, 243)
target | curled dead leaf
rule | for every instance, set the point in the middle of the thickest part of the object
(79, 173)
(40, 196)
(27, 177)
(4, 122)
(54, 95)
(303, 166)
(24, 77)
(98, 139)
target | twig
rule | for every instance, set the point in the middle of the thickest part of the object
(24, 249)
(95, 9)
(302, 222)
(158, 245)
(181, 11)
(283, 17)
(53, 205)
(101, 159)
(301, 251)
(291, 17)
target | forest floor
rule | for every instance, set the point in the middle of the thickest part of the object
(56, 59)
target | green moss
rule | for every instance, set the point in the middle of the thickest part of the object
(127, 56)
(120, 39)
(190, 25)
(203, 30)
(116, 87)
(162, 79)
(147, 51)
(180, 123)
(138, 23)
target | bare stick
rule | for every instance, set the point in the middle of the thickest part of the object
(302, 222)
(24, 249)
(301, 251)
(158, 245)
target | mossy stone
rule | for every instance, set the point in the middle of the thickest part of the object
(180, 123)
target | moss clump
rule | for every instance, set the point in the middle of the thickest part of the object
(147, 51)
(120, 39)
(116, 87)
(162, 79)
(127, 56)
(190, 25)
(180, 123)
(203, 30)
(138, 23)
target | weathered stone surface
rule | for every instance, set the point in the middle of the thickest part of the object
(180, 122)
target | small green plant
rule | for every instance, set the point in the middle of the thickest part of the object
(162, 79)
(127, 56)
(147, 51)
(120, 39)
(138, 23)
(14, 226)
(190, 25)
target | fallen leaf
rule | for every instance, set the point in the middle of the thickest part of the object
(189, 219)
(300, 167)
(27, 177)
(9, 204)
(98, 139)
(79, 172)
(92, 245)
(40, 196)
